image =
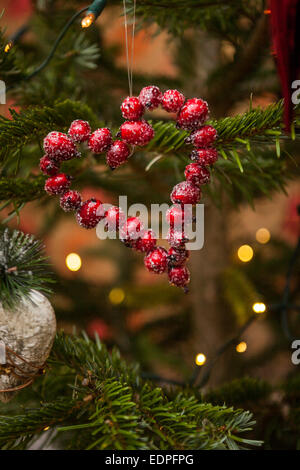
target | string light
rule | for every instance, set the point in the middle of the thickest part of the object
(88, 20)
(267, 12)
(245, 253)
(259, 307)
(200, 359)
(241, 347)
(73, 262)
(93, 11)
(116, 296)
(8, 46)
(263, 235)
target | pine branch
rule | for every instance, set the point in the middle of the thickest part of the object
(120, 411)
(219, 17)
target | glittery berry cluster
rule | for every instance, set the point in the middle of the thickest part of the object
(135, 131)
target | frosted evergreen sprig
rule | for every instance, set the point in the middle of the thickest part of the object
(23, 267)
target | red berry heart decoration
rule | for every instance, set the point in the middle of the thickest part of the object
(135, 131)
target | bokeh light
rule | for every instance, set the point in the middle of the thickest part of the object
(200, 359)
(241, 347)
(259, 307)
(263, 235)
(116, 296)
(245, 253)
(73, 262)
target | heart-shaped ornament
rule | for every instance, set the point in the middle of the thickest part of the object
(191, 115)
(26, 336)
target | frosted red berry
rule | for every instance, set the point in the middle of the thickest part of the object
(185, 193)
(203, 138)
(204, 156)
(90, 213)
(48, 166)
(57, 184)
(179, 276)
(136, 132)
(156, 261)
(79, 131)
(132, 109)
(196, 174)
(193, 114)
(150, 97)
(178, 215)
(60, 147)
(173, 101)
(70, 201)
(114, 217)
(177, 256)
(176, 238)
(100, 140)
(131, 231)
(147, 242)
(118, 154)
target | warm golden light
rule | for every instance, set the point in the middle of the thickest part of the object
(200, 359)
(8, 46)
(116, 296)
(73, 262)
(245, 253)
(259, 307)
(241, 347)
(88, 20)
(263, 235)
(46, 428)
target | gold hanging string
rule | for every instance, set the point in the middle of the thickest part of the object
(129, 60)
(11, 368)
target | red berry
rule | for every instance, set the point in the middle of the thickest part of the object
(114, 218)
(57, 184)
(49, 166)
(179, 276)
(60, 147)
(118, 154)
(157, 260)
(193, 114)
(137, 132)
(100, 140)
(131, 108)
(150, 97)
(173, 101)
(131, 231)
(203, 137)
(79, 131)
(185, 193)
(196, 174)
(177, 256)
(176, 238)
(147, 242)
(178, 215)
(90, 213)
(70, 201)
(205, 156)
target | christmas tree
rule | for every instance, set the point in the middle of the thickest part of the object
(137, 363)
